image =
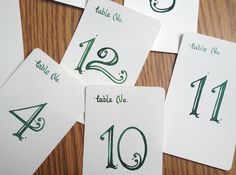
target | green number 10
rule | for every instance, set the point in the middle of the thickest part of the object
(218, 102)
(138, 159)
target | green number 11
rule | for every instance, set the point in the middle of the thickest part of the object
(221, 91)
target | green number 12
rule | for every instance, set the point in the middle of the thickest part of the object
(218, 102)
(98, 65)
(138, 159)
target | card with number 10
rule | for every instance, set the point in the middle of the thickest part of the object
(123, 131)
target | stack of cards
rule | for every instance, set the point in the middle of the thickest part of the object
(114, 53)
(125, 126)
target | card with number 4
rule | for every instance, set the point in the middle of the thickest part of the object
(123, 131)
(110, 44)
(200, 105)
(38, 105)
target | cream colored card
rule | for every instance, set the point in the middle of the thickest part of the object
(39, 104)
(200, 105)
(110, 45)
(11, 43)
(123, 131)
(176, 17)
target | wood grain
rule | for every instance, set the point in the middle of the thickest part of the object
(50, 26)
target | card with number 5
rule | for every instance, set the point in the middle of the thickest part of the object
(110, 44)
(123, 131)
(200, 105)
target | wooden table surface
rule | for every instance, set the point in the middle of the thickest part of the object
(50, 26)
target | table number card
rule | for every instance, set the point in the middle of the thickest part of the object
(123, 131)
(39, 104)
(76, 3)
(176, 17)
(110, 44)
(11, 43)
(200, 105)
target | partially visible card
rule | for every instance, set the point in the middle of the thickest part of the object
(11, 43)
(110, 44)
(76, 3)
(39, 104)
(123, 131)
(176, 17)
(200, 105)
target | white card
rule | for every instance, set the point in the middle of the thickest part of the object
(39, 104)
(11, 43)
(110, 44)
(76, 3)
(123, 131)
(176, 17)
(200, 104)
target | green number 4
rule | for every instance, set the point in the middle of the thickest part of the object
(28, 124)
(221, 91)
(98, 65)
(137, 158)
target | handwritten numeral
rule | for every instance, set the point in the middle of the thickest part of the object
(198, 95)
(197, 99)
(33, 123)
(99, 65)
(219, 99)
(137, 158)
(110, 132)
(160, 6)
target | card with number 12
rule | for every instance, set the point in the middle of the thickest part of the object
(110, 44)
(123, 131)
(200, 105)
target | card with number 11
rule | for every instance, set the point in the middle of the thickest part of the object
(200, 105)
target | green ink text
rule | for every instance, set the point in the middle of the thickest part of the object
(107, 99)
(100, 65)
(201, 48)
(105, 12)
(162, 6)
(45, 69)
(137, 158)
